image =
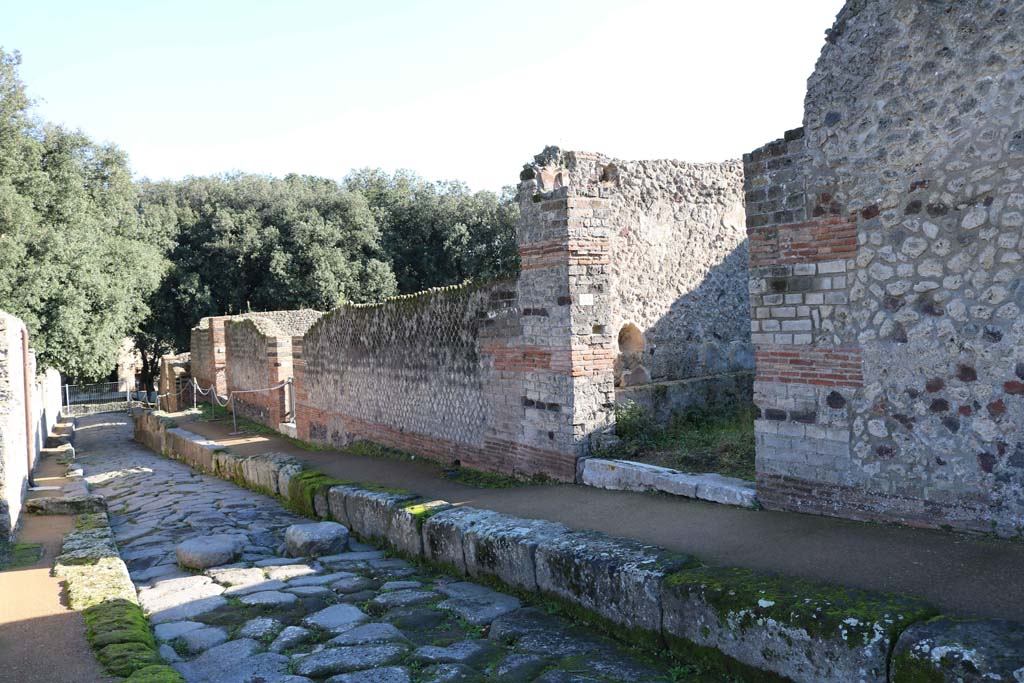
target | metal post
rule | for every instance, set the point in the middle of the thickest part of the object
(234, 413)
(67, 397)
(291, 398)
(194, 400)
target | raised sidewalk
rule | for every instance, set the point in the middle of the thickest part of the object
(962, 575)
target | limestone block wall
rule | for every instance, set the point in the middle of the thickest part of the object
(26, 417)
(886, 273)
(678, 279)
(258, 355)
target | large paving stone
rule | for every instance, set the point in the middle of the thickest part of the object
(948, 650)
(201, 552)
(202, 639)
(268, 598)
(314, 540)
(236, 661)
(450, 673)
(387, 674)
(336, 617)
(369, 633)
(290, 571)
(290, 637)
(345, 659)
(260, 628)
(468, 652)
(236, 576)
(475, 603)
(172, 630)
(402, 598)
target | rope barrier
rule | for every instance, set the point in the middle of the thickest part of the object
(230, 399)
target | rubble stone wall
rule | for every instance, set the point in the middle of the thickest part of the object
(886, 273)
(678, 275)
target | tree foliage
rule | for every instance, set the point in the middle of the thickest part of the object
(439, 233)
(88, 256)
(75, 263)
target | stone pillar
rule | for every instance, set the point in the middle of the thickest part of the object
(564, 297)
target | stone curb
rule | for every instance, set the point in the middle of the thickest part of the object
(772, 627)
(625, 475)
(98, 584)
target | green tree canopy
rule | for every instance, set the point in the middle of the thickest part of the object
(76, 264)
(440, 233)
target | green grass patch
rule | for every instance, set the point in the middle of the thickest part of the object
(209, 412)
(696, 440)
(19, 555)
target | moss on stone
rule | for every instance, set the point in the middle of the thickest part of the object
(116, 621)
(304, 486)
(17, 555)
(91, 520)
(158, 673)
(742, 597)
(124, 659)
(909, 669)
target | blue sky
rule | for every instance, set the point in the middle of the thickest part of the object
(451, 89)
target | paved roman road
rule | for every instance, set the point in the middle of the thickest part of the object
(356, 617)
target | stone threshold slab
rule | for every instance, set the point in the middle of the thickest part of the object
(625, 475)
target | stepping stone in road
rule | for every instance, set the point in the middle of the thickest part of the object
(314, 540)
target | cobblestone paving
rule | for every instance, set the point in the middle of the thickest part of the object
(355, 617)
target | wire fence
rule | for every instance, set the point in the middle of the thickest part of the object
(98, 397)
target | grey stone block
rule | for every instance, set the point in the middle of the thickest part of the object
(961, 651)
(504, 546)
(803, 631)
(336, 503)
(369, 512)
(406, 527)
(444, 533)
(617, 578)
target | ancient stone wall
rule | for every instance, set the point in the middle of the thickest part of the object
(678, 277)
(175, 390)
(519, 376)
(26, 418)
(886, 273)
(258, 356)
(208, 346)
